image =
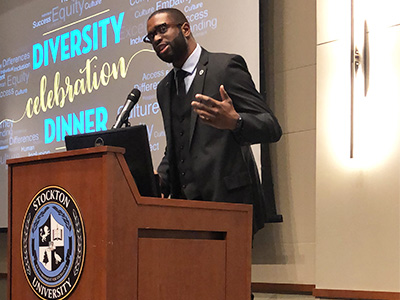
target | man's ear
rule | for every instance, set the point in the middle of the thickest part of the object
(186, 29)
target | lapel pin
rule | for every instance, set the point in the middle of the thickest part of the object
(201, 72)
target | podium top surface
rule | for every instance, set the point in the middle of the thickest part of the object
(64, 154)
(141, 200)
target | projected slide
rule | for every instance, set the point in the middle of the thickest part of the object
(67, 66)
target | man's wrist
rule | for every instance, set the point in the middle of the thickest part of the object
(239, 124)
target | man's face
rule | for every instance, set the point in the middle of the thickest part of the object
(170, 46)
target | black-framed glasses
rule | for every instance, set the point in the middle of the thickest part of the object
(159, 29)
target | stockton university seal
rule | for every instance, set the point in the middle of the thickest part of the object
(53, 243)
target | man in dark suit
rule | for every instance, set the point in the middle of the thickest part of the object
(212, 113)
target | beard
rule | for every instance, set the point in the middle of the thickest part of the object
(178, 49)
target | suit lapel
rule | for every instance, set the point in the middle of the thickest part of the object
(198, 87)
(166, 91)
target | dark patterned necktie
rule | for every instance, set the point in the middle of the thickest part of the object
(180, 83)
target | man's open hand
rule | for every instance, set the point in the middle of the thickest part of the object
(219, 114)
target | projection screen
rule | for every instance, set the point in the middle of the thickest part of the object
(67, 66)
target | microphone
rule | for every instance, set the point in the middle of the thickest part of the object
(131, 100)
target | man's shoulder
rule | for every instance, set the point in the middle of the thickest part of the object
(222, 57)
(166, 79)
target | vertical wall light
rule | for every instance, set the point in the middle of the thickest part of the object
(358, 88)
(359, 66)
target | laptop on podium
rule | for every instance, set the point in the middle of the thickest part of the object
(137, 153)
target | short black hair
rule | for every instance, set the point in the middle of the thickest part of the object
(176, 15)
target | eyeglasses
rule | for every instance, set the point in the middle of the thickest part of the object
(159, 29)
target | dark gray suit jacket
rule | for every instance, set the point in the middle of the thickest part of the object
(222, 162)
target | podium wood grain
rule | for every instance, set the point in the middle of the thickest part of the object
(136, 247)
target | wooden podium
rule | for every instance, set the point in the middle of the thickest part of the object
(136, 247)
